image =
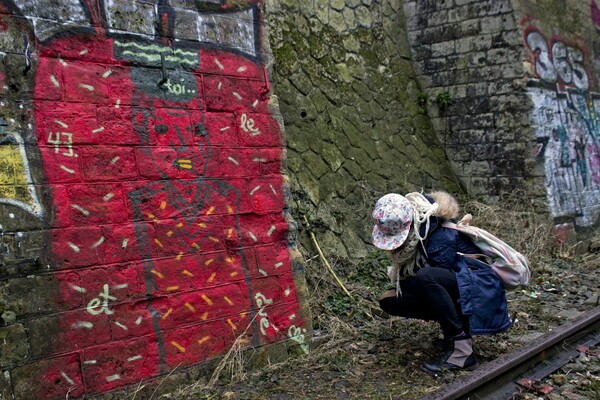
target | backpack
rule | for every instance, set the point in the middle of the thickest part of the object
(511, 266)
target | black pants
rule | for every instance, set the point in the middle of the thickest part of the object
(431, 295)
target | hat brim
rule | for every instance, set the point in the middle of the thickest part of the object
(387, 242)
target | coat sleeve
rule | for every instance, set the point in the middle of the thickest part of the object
(440, 249)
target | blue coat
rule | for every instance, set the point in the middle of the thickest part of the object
(482, 294)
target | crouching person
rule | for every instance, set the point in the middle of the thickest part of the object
(435, 278)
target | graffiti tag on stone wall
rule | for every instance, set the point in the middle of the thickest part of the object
(567, 124)
(163, 165)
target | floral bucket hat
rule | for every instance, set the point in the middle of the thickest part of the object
(393, 215)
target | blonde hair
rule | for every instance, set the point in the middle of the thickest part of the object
(448, 207)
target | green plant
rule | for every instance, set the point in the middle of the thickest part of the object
(422, 99)
(444, 100)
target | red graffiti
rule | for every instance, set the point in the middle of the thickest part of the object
(164, 169)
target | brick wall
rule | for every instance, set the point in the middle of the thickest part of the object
(142, 200)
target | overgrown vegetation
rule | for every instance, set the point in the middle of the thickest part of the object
(359, 352)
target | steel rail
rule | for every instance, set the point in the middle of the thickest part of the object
(508, 367)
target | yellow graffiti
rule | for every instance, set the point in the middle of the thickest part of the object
(16, 184)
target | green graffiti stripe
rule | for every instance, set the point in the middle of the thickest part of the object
(155, 57)
(159, 49)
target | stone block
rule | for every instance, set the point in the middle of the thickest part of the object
(5, 386)
(37, 294)
(55, 378)
(14, 347)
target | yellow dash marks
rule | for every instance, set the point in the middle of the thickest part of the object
(244, 340)
(195, 245)
(229, 260)
(159, 243)
(180, 225)
(202, 225)
(229, 233)
(208, 262)
(233, 274)
(230, 322)
(210, 210)
(151, 216)
(212, 277)
(204, 316)
(207, 300)
(204, 339)
(167, 313)
(172, 288)
(186, 272)
(155, 272)
(190, 307)
(228, 300)
(229, 209)
(179, 256)
(170, 233)
(213, 239)
(178, 346)
(163, 205)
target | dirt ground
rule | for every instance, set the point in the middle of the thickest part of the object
(358, 354)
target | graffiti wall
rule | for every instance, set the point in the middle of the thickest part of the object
(149, 163)
(565, 116)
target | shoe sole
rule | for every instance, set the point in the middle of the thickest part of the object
(444, 370)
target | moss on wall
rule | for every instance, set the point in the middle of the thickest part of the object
(354, 127)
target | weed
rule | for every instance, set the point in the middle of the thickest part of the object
(422, 98)
(444, 100)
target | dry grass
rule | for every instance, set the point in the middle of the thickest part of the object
(343, 323)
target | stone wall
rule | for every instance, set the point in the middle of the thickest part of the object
(355, 125)
(512, 88)
(143, 214)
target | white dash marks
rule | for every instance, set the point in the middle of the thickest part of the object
(86, 87)
(120, 325)
(81, 209)
(61, 123)
(225, 128)
(54, 81)
(78, 289)
(82, 325)
(237, 95)
(114, 160)
(100, 129)
(134, 358)
(242, 68)
(271, 230)
(233, 160)
(107, 73)
(254, 190)
(221, 67)
(279, 264)
(98, 243)
(252, 236)
(138, 320)
(74, 247)
(108, 197)
(112, 378)
(69, 170)
(67, 378)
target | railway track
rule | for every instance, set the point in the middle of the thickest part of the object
(497, 379)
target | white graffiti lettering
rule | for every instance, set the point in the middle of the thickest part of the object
(55, 139)
(247, 124)
(261, 303)
(99, 305)
(557, 63)
(297, 335)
